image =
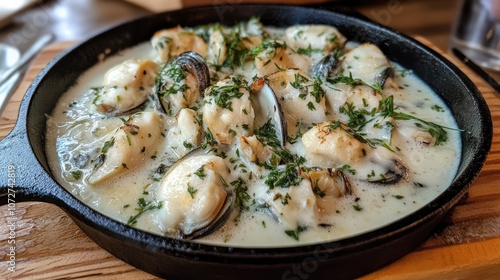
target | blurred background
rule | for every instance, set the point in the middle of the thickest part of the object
(23, 21)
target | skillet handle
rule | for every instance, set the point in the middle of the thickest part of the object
(22, 178)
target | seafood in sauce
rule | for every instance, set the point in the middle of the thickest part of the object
(249, 135)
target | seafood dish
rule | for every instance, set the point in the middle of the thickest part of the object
(253, 136)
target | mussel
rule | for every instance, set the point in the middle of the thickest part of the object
(301, 97)
(369, 64)
(127, 147)
(267, 108)
(174, 41)
(274, 55)
(182, 82)
(327, 181)
(125, 87)
(227, 110)
(333, 144)
(314, 38)
(326, 67)
(196, 198)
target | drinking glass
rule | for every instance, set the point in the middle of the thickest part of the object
(476, 32)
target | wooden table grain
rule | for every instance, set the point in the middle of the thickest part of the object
(465, 246)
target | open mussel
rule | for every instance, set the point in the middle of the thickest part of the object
(268, 110)
(196, 198)
(333, 144)
(301, 97)
(194, 63)
(182, 82)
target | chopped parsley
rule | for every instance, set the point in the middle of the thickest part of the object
(108, 144)
(187, 144)
(437, 108)
(269, 46)
(266, 134)
(298, 81)
(285, 175)
(357, 207)
(143, 206)
(201, 172)
(308, 51)
(191, 190)
(224, 94)
(347, 168)
(358, 118)
(295, 233)
(349, 80)
(241, 194)
(77, 174)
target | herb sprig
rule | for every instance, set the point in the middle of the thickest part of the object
(143, 206)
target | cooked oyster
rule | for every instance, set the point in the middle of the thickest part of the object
(327, 182)
(128, 146)
(126, 86)
(315, 37)
(293, 206)
(369, 64)
(228, 111)
(194, 195)
(302, 98)
(334, 145)
(275, 55)
(171, 42)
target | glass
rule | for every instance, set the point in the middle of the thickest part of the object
(477, 32)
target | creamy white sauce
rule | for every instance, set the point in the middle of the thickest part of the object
(76, 133)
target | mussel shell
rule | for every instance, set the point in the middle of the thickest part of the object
(196, 65)
(216, 223)
(325, 67)
(383, 76)
(222, 216)
(193, 63)
(266, 105)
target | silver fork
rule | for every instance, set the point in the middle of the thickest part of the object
(9, 80)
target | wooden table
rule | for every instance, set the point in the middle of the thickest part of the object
(465, 246)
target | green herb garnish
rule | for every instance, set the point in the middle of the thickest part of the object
(295, 233)
(191, 190)
(144, 206)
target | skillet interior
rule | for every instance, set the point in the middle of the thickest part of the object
(347, 258)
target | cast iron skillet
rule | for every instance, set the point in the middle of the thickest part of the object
(23, 150)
